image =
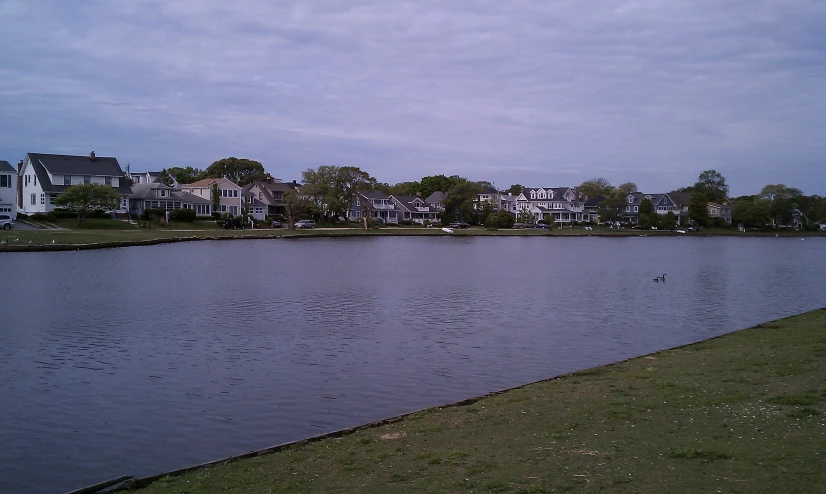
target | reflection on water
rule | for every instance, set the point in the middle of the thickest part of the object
(139, 360)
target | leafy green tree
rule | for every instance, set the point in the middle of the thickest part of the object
(504, 219)
(698, 208)
(595, 187)
(627, 188)
(525, 217)
(647, 216)
(186, 175)
(429, 185)
(485, 209)
(713, 185)
(778, 191)
(295, 205)
(515, 189)
(611, 208)
(215, 197)
(88, 197)
(405, 189)
(350, 182)
(241, 171)
(165, 178)
(756, 213)
(492, 221)
(333, 189)
(782, 211)
(458, 201)
(669, 221)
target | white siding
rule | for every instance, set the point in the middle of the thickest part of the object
(115, 182)
(77, 179)
(97, 180)
(57, 179)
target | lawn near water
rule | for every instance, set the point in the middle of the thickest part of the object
(739, 413)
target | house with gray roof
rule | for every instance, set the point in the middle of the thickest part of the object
(662, 205)
(45, 176)
(8, 189)
(591, 207)
(271, 194)
(560, 205)
(377, 205)
(414, 208)
(436, 200)
(159, 196)
(498, 199)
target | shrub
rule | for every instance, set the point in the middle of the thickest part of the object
(405, 222)
(39, 216)
(216, 215)
(153, 213)
(187, 215)
(492, 222)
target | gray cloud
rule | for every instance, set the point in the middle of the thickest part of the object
(528, 92)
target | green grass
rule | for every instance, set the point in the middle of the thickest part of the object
(716, 416)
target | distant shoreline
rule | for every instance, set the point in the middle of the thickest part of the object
(291, 234)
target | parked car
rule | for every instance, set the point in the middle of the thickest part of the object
(305, 224)
(233, 223)
(693, 228)
(276, 224)
(542, 226)
(459, 224)
(6, 222)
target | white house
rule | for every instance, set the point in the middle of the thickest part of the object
(45, 176)
(560, 205)
(231, 195)
(8, 189)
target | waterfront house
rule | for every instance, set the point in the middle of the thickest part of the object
(45, 176)
(148, 178)
(159, 196)
(231, 200)
(662, 205)
(380, 206)
(591, 207)
(271, 194)
(680, 204)
(719, 211)
(561, 205)
(8, 189)
(255, 207)
(436, 200)
(499, 200)
(414, 208)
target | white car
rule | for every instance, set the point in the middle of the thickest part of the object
(6, 223)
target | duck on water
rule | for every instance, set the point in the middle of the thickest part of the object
(660, 278)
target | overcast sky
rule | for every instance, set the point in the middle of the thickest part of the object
(545, 93)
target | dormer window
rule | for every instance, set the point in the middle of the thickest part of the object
(107, 181)
(533, 195)
(630, 199)
(87, 179)
(648, 197)
(67, 180)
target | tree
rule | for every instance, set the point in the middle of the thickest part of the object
(458, 201)
(756, 213)
(526, 217)
(241, 171)
(515, 189)
(334, 188)
(429, 185)
(611, 208)
(698, 208)
(778, 191)
(595, 187)
(669, 221)
(165, 178)
(88, 197)
(782, 211)
(294, 205)
(504, 219)
(492, 221)
(215, 197)
(485, 209)
(627, 188)
(404, 189)
(186, 175)
(713, 185)
(647, 216)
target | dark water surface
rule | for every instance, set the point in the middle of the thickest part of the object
(140, 360)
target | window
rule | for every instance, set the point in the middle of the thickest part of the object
(630, 200)
(35, 179)
(42, 198)
(107, 181)
(67, 180)
(5, 181)
(87, 179)
(636, 209)
(234, 193)
(713, 210)
(34, 199)
(627, 209)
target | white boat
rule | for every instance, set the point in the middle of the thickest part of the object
(680, 231)
(447, 230)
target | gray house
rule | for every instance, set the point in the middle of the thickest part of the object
(379, 205)
(662, 205)
(414, 208)
(159, 196)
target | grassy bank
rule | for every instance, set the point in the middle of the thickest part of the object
(117, 233)
(741, 413)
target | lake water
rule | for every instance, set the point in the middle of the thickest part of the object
(140, 360)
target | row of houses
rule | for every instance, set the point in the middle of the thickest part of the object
(40, 178)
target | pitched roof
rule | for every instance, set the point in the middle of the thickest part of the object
(144, 192)
(375, 194)
(436, 197)
(680, 198)
(43, 164)
(405, 202)
(594, 201)
(207, 182)
(6, 167)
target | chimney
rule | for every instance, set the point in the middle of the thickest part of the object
(92, 156)
(20, 185)
(294, 182)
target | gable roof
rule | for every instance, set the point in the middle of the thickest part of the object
(144, 191)
(594, 201)
(6, 167)
(207, 182)
(436, 197)
(406, 203)
(59, 164)
(375, 194)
